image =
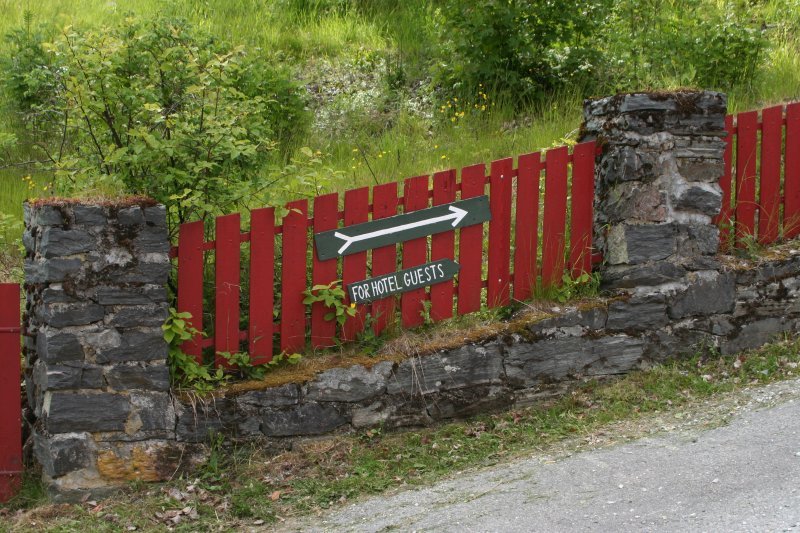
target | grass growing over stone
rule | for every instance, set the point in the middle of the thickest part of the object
(245, 486)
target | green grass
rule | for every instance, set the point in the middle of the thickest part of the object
(239, 485)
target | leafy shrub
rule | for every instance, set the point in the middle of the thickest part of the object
(518, 48)
(693, 43)
(163, 111)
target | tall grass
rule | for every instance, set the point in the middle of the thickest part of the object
(305, 32)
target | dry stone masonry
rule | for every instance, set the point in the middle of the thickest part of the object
(656, 184)
(96, 373)
(97, 376)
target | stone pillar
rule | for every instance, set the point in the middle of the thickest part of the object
(96, 370)
(657, 184)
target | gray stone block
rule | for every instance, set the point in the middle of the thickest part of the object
(152, 239)
(153, 411)
(755, 334)
(304, 419)
(111, 295)
(145, 344)
(53, 270)
(254, 401)
(56, 295)
(639, 313)
(467, 402)
(61, 454)
(56, 242)
(136, 315)
(707, 293)
(466, 366)
(70, 375)
(47, 215)
(147, 273)
(137, 376)
(646, 102)
(529, 364)
(69, 412)
(55, 347)
(648, 274)
(700, 169)
(156, 216)
(90, 215)
(130, 216)
(29, 241)
(71, 314)
(703, 198)
(351, 384)
(635, 244)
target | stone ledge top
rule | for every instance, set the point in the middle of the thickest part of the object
(118, 202)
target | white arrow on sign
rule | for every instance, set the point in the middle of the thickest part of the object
(457, 215)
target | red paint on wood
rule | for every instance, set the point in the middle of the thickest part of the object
(725, 218)
(190, 283)
(555, 211)
(747, 129)
(443, 246)
(356, 211)
(415, 252)
(791, 176)
(326, 213)
(470, 245)
(293, 277)
(10, 413)
(527, 223)
(262, 280)
(770, 183)
(580, 257)
(226, 281)
(384, 259)
(499, 277)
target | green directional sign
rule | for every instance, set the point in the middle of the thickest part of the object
(360, 237)
(402, 281)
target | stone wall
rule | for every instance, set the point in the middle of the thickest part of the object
(744, 305)
(97, 376)
(96, 373)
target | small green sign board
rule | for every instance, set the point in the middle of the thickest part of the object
(402, 281)
(377, 233)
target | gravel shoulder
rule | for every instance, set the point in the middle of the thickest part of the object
(729, 463)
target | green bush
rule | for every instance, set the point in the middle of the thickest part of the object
(156, 108)
(692, 43)
(520, 49)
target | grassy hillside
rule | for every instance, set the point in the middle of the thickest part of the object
(369, 66)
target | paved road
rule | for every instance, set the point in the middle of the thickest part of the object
(744, 476)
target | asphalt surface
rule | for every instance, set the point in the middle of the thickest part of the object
(743, 476)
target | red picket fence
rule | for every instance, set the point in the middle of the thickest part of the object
(10, 407)
(282, 263)
(761, 184)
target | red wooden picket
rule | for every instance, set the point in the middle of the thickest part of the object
(747, 129)
(555, 211)
(443, 246)
(384, 259)
(226, 281)
(10, 414)
(415, 197)
(262, 281)
(725, 218)
(190, 283)
(791, 177)
(470, 245)
(293, 277)
(499, 278)
(527, 224)
(326, 217)
(770, 180)
(354, 268)
(580, 258)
